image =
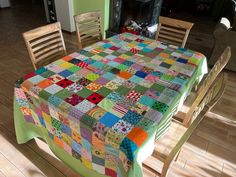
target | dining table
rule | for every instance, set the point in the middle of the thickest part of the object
(101, 109)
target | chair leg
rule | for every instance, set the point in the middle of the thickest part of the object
(165, 170)
(177, 156)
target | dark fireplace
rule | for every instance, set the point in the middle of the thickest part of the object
(123, 13)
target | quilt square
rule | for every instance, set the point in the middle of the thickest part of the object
(132, 117)
(96, 112)
(84, 82)
(94, 86)
(109, 119)
(104, 91)
(65, 83)
(85, 106)
(95, 98)
(161, 107)
(134, 95)
(65, 73)
(74, 99)
(52, 89)
(138, 136)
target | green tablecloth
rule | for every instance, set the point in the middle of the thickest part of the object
(101, 110)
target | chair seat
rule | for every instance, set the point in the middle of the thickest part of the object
(166, 143)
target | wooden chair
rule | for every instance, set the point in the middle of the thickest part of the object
(88, 27)
(168, 146)
(192, 101)
(45, 43)
(173, 31)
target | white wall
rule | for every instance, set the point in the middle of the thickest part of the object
(65, 11)
(5, 3)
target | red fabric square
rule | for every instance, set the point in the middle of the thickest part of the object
(64, 83)
(74, 99)
(114, 48)
(134, 95)
(82, 64)
(29, 75)
(110, 172)
(95, 98)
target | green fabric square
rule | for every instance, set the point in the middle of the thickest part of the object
(87, 122)
(63, 94)
(161, 107)
(84, 92)
(157, 87)
(146, 100)
(194, 60)
(107, 67)
(104, 91)
(122, 67)
(106, 104)
(74, 69)
(141, 52)
(88, 54)
(102, 54)
(47, 74)
(129, 53)
(92, 76)
(116, 53)
(140, 89)
(167, 77)
(45, 95)
(145, 124)
(122, 90)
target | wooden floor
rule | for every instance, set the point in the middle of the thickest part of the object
(211, 150)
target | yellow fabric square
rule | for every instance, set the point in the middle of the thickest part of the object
(46, 117)
(169, 61)
(66, 65)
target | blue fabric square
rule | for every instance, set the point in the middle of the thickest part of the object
(76, 147)
(182, 60)
(166, 65)
(132, 117)
(65, 129)
(113, 63)
(41, 120)
(98, 64)
(142, 44)
(86, 145)
(157, 73)
(128, 63)
(89, 61)
(109, 76)
(135, 79)
(146, 100)
(128, 147)
(109, 119)
(74, 61)
(40, 70)
(141, 74)
(107, 45)
(65, 73)
(147, 49)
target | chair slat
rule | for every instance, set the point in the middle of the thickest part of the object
(87, 26)
(173, 30)
(44, 42)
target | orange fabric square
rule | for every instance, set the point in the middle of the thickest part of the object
(45, 83)
(137, 135)
(67, 58)
(125, 75)
(164, 55)
(58, 142)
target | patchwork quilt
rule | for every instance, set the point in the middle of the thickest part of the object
(101, 103)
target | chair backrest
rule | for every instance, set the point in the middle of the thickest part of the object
(204, 88)
(88, 27)
(44, 43)
(210, 99)
(173, 31)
